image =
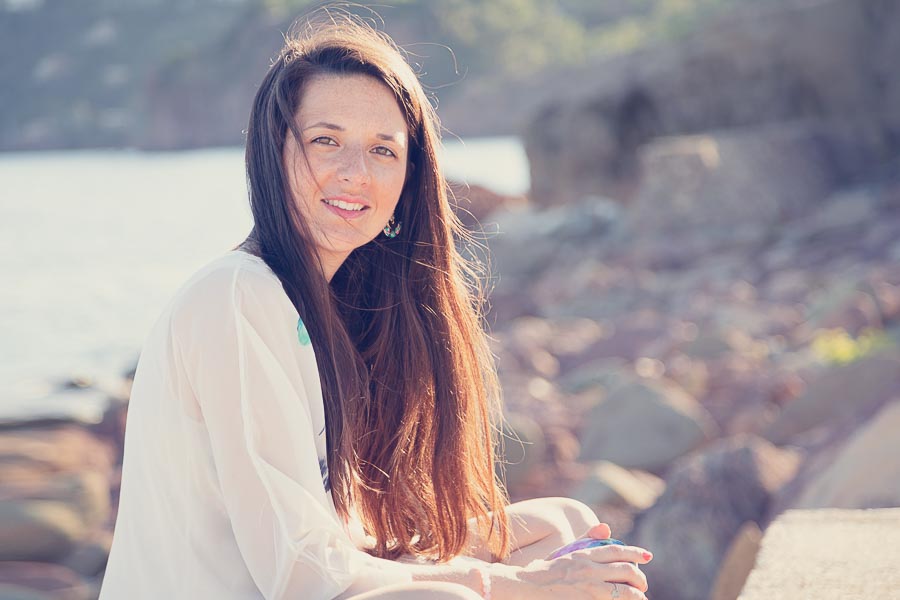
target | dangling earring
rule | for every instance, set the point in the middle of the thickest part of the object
(391, 230)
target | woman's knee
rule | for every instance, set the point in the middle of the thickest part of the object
(422, 590)
(554, 516)
(451, 591)
(567, 514)
(579, 515)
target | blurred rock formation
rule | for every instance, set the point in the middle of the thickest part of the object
(829, 64)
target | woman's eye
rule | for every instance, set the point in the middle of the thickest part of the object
(324, 140)
(384, 151)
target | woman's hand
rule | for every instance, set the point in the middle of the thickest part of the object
(601, 573)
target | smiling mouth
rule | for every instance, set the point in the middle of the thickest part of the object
(348, 206)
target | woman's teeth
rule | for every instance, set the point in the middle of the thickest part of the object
(344, 205)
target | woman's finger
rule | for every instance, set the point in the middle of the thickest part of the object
(600, 531)
(615, 553)
(619, 591)
(626, 574)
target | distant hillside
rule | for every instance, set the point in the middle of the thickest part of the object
(177, 74)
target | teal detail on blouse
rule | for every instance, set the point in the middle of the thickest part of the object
(302, 333)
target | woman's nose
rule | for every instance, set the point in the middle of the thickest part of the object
(353, 167)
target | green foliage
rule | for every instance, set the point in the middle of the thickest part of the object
(837, 346)
(516, 38)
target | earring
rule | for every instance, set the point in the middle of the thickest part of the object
(391, 230)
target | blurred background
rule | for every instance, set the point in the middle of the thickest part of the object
(692, 210)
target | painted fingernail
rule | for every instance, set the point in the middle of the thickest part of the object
(647, 556)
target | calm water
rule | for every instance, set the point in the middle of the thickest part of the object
(93, 244)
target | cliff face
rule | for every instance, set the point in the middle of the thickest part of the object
(820, 62)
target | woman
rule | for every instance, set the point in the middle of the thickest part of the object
(311, 415)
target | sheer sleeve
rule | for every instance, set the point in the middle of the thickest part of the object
(252, 382)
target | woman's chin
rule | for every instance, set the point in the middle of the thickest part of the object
(344, 246)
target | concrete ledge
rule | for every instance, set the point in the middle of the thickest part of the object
(828, 554)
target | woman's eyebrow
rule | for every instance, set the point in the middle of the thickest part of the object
(324, 125)
(397, 138)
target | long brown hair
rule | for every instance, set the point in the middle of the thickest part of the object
(408, 381)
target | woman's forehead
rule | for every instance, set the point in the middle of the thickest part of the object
(343, 101)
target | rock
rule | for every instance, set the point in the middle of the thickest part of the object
(866, 471)
(709, 496)
(708, 345)
(608, 483)
(474, 203)
(41, 581)
(809, 553)
(706, 180)
(842, 394)
(562, 445)
(608, 373)
(738, 563)
(112, 426)
(531, 243)
(527, 338)
(18, 592)
(645, 425)
(629, 337)
(38, 530)
(850, 209)
(89, 557)
(789, 285)
(814, 61)
(86, 492)
(692, 375)
(54, 449)
(849, 305)
(751, 419)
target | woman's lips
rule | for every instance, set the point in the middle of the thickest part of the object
(343, 213)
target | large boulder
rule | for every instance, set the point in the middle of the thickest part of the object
(840, 396)
(39, 530)
(831, 61)
(54, 449)
(828, 555)
(608, 483)
(530, 243)
(707, 180)
(866, 472)
(709, 496)
(90, 556)
(55, 487)
(726, 189)
(738, 563)
(42, 581)
(473, 204)
(645, 425)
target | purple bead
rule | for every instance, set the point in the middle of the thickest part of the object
(583, 543)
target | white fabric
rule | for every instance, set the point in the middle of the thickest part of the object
(222, 493)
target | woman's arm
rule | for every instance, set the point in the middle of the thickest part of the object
(239, 354)
(538, 527)
(595, 574)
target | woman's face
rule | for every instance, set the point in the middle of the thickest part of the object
(355, 141)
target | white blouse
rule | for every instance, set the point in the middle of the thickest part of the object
(224, 478)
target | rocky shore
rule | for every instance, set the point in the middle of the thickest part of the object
(714, 342)
(687, 401)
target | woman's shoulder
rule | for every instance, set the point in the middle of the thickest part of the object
(225, 281)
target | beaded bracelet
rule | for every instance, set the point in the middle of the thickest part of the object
(485, 584)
